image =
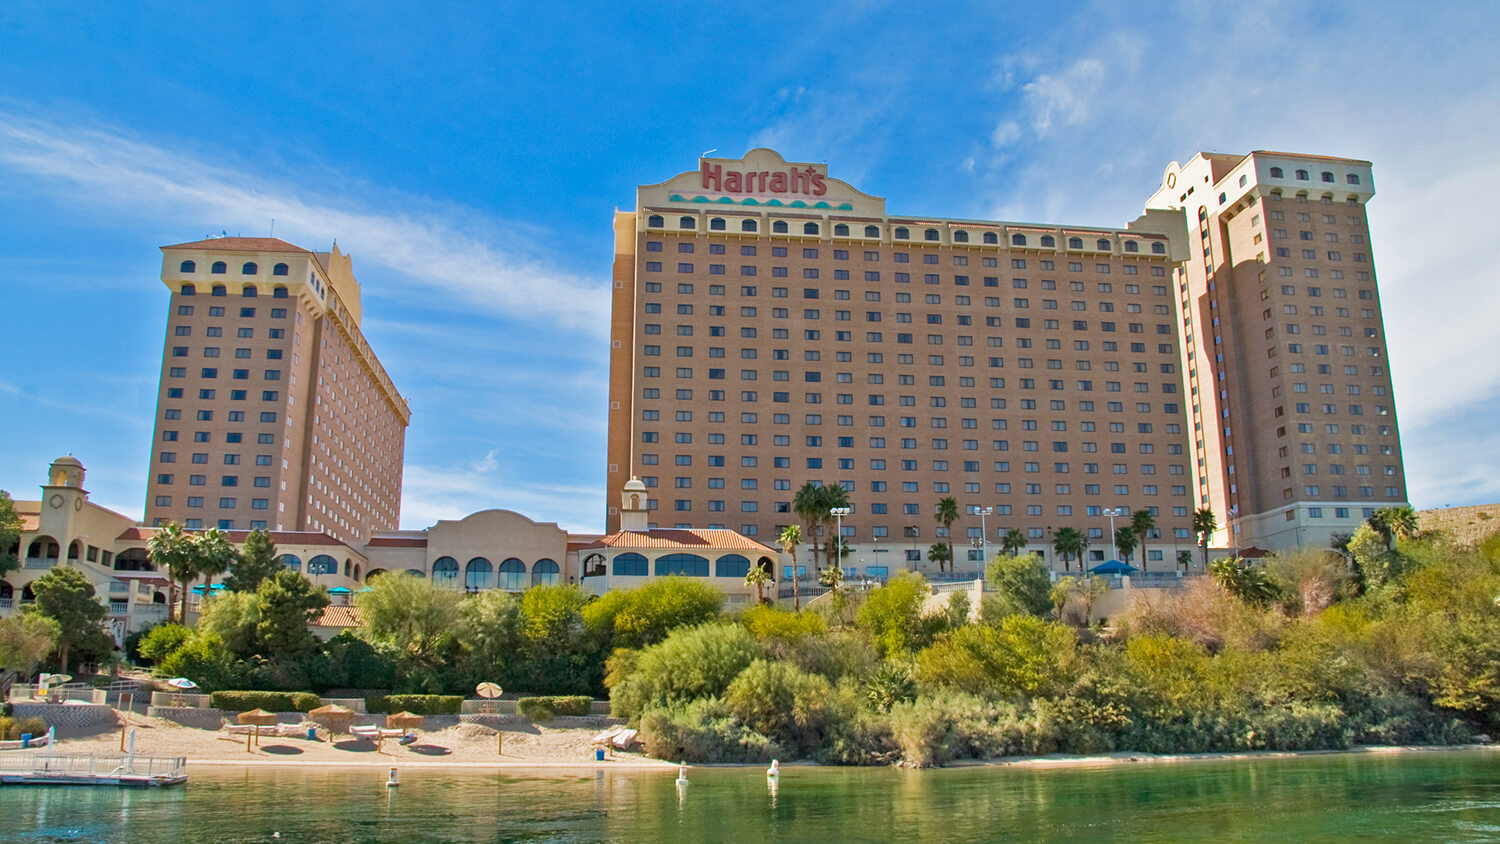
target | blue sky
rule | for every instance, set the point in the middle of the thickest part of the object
(469, 157)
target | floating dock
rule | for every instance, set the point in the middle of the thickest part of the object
(124, 770)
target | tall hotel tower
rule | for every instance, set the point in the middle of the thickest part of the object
(773, 326)
(1284, 351)
(273, 411)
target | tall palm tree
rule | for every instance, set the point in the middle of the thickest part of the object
(1204, 524)
(947, 514)
(215, 556)
(942, 552)
(790, 538)
(1012, 542)
(807, 504)
(1070, 542)
(1141, 524)
(171, 550)
(831, 496)
(1394, 523)
(1125, 542)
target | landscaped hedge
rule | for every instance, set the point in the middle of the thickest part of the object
(269, 701)
(546, 708)
(416, 704)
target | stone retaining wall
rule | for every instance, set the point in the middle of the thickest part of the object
(68, 716)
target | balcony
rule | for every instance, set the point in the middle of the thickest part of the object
(40, 562)
(7, 603)
(119, 607)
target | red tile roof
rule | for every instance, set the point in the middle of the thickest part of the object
(398, 542)
(338, 617)
(717, 539)
(280, 537)
(240, 244)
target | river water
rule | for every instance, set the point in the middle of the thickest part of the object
(1427, 796)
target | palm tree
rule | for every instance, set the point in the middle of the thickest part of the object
(790, 538)
(170, 549)
(942, 552)
(1394, 523)
(807, 504)
(1204, 524)
(215, 556)
(757, 576)
(1142, 523)
(1070, 542)
(831, 496)
(1125, 542)
(947, 514)
(1012, 542)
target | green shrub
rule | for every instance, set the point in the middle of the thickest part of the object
(416, 704)
(161, 641)
(779, 701)
(547, 708)
(235, 701)
(11, 729)
(938, 729)
(702, 730)
(693, 662)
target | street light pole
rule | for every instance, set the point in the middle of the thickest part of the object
(1111, 513)
(983, 536)
(838, 513)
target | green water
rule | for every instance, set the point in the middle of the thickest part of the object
(1434, 796)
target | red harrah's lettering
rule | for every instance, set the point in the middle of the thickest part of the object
(795, 180)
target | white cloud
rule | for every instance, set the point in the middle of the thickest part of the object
(107, 168)
(1005, 134)
(487, 464)
(1064, 98)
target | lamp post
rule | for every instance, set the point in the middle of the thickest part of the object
(983, 536)
(1112, 513)
(838, 513)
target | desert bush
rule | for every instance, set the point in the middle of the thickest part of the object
(701, 730)
(693, 662)
(11, 729)
(547, 708)
(1024, 657)
(783, 703)
(937, 729)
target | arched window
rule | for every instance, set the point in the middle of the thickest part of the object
(513, 575)
(280, 269)
(687, 565)
(219, 268)
(416, 573)
(1223, 197)
(1130, 246)
(748, 226)
(187, 267)
(1049, 241)
(279, 292)
(960, 237)
(1075, 243)
(356, 573)
(1244, 179)
(731, 565)
(546, 573)
(249, 268)
(1158, 249)
(631, 564)
(1352, 178)
(1327, 176)
(348, 568)
(1202, 212)
(1277, 173)
(655, 221)
(991, 237)
(841, 230)
(1302, 174)
(322, 564)
(717, 224)
(7, 592)
(189, 290)
(445, 573)
(687, 223)
(901, 233)
(1018, 240)
(1103, 243)
(479, 574)
(809, 228)
(930, 234)
(219, 290)
(249, 291)
(292, 561)
(779, 227)
(872, 231)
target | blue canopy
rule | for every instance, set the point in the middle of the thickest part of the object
(338, 589)
(1113, 567)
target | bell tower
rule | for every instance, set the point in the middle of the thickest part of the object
(633, 505)
(63, 497)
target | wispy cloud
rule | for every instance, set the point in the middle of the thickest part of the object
(106, 167)
(431, 493)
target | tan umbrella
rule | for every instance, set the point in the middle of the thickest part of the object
(336, 718)
(488, 691)
(258, 717)
(403, 721)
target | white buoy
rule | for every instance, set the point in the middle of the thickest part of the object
(682, 774)
(775, 770)
(393, 781)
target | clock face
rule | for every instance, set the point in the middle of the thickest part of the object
(56, 501)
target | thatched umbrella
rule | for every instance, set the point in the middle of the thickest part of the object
(403, 721)
(258, 717)
(336, 718)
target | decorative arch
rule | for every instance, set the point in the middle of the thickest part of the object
(841, 230)
(479, 574)
(930, 234)
(687, 223)
(594, 565)
(445, 573)
(219, 290)
(249, 291)
(779, 227)
(1158, 249)
(630, 564)
(732, 565)
(356, 572)
(1018, 239)
(322, 564)
(75, 550)
(42, 548)
(513, 575)
(1075, 243)
(546, 572)
(373, 573)
(901, 233)
(960, 237)
(249, 268)
(292, 561)
(717, 224)
(190, 290)
(187, 267)
(1132, 246)
(133, 559)
(686, 565)
(348, 567)
(417, 573)
(1103, 244)
(7, 594)
(809, 228)
(1049, 241)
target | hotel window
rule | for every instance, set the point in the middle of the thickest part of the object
(841, 230)
(716, 224)
(779, 227)
(809, 228)
(901, 233)
(655, 221)
(687, 223)
(872, 231)
(747, 225)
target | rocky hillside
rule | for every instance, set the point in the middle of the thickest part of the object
(1464, 524)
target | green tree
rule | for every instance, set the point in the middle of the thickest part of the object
(171, 550)
(1374, 561)
(757, 578)
(561, 656)
(947, 514)
(489, 632)
(1125, 542)
(808, 506)
(257, 561)
(779, 700)
(892, 614)
(25, 640)
(941, 552)
(288, 602)
(790, 538)
(829, 497)
(1020, 584)
(1142, 523)
(161, 640)
(1024, 657)
(1012, 542)
(214, 555)
(1245, 580)
(634, 618)
(1062, 591)
(1204, 525)
(10, 534)
(1070, 543)
(66, 596)
(408, 613)
(1394, 523)
(691, 663)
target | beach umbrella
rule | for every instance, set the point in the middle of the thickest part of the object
(258, 717)
(403, 721)
(182, 683)
(488, 691)
(336, 718)
(56, 679)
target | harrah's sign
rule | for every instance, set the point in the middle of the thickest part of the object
(794, 180)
